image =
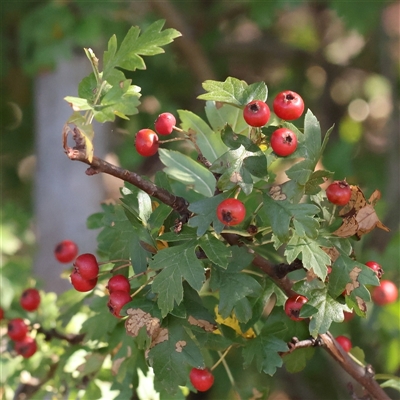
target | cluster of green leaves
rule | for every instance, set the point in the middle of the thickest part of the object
(105, 94)
(191, 278)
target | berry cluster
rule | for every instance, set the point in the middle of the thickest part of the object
(288, 106)
(18, 330)
(147, 141)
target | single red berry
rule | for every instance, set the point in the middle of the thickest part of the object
(293, 306)
(348, 316)
(338, 193)
(1, 313)
(288, 105)
(165, 123)
(86, 265)
(384, 294)
(30, 299)
(26, 347)
(202, 379)
(376, 268)
(345, 342)
(17, 329)
(283, 142)
(231, 211)
(80, 284)
(66, 251)
(256, 113)
(146, 142)
(118, 282)
(116, 301)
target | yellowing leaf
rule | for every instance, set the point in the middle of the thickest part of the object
(233, 323)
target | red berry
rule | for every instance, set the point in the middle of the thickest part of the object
(384, 294)
(17, 329)
(345, 342)
(348, 316)
(376, 268)
(338, 193)
(165, 123)
(26, 347)
(118, 282)
(256, 113)
(1, 314)
(86, 265)
(293, 306)
(283, 142)
(66, 251)
(30, 299)
(80, 284)
(202, 379)
(288, 105)
(146, 142)
(231, 212)
(117, 300)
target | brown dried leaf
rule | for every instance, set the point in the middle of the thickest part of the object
(207, 326)
(359, 216)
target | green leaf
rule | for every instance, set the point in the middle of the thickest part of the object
(328, 309)
(234, 91)
(392, 383)
(317, 178)
(128, 56)
(215, 250)
(265, 349)
(297, 360)
(233, 287)
(177, 263)
(232, 116)
(206, 214)
(281, 213)
(209, 142)
(184, 169)
(312, 256)
(172, 358)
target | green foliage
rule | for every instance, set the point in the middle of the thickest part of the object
(195, 290)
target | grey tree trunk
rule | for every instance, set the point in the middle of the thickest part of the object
(64, 195)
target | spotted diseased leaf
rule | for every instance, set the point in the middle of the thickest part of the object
(359, 215)
(265, 348)
(176, 263)
(350, 276)
(171, 359)
(234, 91)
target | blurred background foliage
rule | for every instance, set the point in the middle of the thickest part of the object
(341, 56)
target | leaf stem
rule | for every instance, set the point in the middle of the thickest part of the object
(221, 358)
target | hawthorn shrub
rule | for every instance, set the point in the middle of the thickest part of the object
(196, 285)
